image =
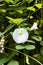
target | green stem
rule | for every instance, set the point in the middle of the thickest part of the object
(25, 55)
(35, 60)
(36, 11)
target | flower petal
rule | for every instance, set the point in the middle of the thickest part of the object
(20, 35)
(34, 26)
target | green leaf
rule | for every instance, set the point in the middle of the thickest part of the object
(8, 28)
(2, 10)
(20, 11)
(6, 58)
(29, 1)
(2, 4)
(30, 41)
(19, 47)
(39, 57)
(37, 38)
(41, 43)
(16, 21)
(41, 50)
(31, 17)
(31, 8)
(1, 33)
(16, 1)
(29, 47)
(1, 0)
(7, 1)
(27, 28)
(11, 33)
(13, 62)
(39, 5)
(2, 55)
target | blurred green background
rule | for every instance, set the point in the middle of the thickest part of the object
(21, 13)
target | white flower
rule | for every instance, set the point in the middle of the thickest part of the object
(20, 35)
(34, 26)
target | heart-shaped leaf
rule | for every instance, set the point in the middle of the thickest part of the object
(16, 21)
(31, 8)
(39, 5)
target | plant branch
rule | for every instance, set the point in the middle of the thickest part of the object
(25, 55)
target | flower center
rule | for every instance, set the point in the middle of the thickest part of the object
(20, 33)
